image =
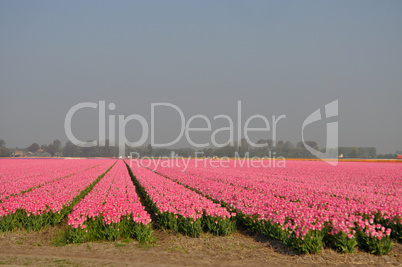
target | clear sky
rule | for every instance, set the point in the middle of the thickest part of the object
(277, 57)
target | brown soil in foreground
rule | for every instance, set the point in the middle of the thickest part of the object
(170, 249)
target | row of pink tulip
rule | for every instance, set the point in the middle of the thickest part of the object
(112, 209)
(50, 203)
(53, 196)
(17, 168)
(113, 198)
(173, 201)
(19, 175)
(174, 198)
(304, 196)
(312, 191)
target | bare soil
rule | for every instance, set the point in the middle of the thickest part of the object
(172, 249)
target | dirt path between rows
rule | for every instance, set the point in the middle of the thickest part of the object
(170, 249)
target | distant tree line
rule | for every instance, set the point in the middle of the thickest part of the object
(281, 149)
(71, 150)
(358, 152)
(4, 152)
(289, 150)
(386, 156)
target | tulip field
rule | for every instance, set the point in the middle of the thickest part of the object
(306, 205)
(18, 176)
(111, 210)
(45, 196)
(181, 209)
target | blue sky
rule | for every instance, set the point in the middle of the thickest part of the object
(277, 57)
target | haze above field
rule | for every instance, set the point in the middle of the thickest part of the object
(277, 58)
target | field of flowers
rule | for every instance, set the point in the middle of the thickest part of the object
(17, 176)
(46, 198)
(110, 211)
(179, 208)
(305, 205)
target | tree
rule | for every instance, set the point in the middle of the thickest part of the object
(373, 152)
(71, 150)
(312, 144)
(108, 150)
(49, 149)
(33, 148)
(387, 156)
(279, 148)
(244, 147)
(287, 148)
(4, 152)
(56, 146)
(150, 149)
(354, 153)
(93, 151)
